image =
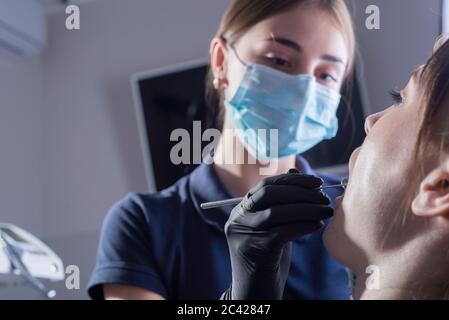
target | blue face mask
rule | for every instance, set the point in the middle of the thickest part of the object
(302, 110)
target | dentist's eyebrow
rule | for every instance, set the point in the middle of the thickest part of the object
(331, 58)
(298, 48)
(286, 43)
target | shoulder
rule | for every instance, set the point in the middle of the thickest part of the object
(138, 209)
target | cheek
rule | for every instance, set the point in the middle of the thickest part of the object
(373, 180)
(337, 239)
(352, 230)
(379, 181)
(234, 76)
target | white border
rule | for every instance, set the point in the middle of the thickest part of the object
(141, 124)
(445, 16)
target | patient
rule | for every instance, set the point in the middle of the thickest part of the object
(392, 226)
(395, 212)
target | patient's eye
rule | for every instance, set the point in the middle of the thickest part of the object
(396, 96)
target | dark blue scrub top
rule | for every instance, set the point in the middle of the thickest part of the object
(166, 243)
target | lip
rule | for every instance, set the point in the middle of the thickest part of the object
(338, 201)
(353, 159)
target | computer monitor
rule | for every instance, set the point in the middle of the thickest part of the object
(170, 98)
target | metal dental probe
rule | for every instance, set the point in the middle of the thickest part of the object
(235, 201)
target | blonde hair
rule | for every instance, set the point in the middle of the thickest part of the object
(244, 14)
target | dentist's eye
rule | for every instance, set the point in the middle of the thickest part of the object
(327, 77)
(278, 61)
(396, 96)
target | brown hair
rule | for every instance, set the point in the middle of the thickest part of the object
(434, 129)
(244, 14)
(433, 135)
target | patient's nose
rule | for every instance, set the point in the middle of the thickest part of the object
(372, 119)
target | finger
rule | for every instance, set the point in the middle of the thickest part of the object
(285, 260)
(286, 233)
(287, 214)
(299, 179)
(302, 180)
(273, 195)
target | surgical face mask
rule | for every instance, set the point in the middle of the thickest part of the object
(302, 111)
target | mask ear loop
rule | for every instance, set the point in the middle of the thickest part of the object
(274, 40)
(276, 44)
(231, 48)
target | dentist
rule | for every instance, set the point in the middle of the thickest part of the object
(276, 66)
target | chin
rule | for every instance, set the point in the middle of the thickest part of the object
(334, 235)
(335, 226)
(339, 243)
(329, 237)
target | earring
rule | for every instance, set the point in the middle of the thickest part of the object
(225, 84)
(216, 83)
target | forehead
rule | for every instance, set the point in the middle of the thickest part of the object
(296, 23)
(312, 28)
(416, 75)
(415, 81)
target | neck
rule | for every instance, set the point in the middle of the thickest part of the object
(240, 176)
(435, 293)
(393, 286)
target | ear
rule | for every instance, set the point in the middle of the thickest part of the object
(433, 197)
(218, 59)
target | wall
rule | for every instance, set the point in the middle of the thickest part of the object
(21, 144)
(92, 151)
(404, 41)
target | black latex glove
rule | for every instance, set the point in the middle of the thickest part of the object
(260, 230)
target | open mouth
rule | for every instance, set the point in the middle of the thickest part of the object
(345, 181)
(353, 159)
